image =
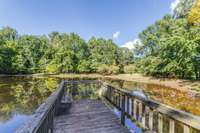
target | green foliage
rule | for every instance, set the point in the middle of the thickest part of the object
(108, 70)
(84, 67)
(129, 69)
(102, 51)
(183, 8)
(58, 53)
(194, 14)
(170, 48)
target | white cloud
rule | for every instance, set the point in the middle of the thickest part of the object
(131, 44)
(173, 5)
(116, 35)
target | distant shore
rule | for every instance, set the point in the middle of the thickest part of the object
(172, 83)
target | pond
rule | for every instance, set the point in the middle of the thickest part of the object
(183, 100)
(20, 97)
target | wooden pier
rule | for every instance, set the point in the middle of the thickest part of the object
(59, 114)
(88, 116)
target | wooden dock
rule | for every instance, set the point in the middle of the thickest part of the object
(93, 116)
(88, 116)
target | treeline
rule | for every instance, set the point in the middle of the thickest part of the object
(59, 53)
(171, 46)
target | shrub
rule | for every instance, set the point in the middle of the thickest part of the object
(84, 67)
(108, 70)
(129, 68)
(51, 68)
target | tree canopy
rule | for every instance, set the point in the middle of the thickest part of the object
(171, 47)
(194, 15)
(58, 53)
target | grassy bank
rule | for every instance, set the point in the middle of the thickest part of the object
(172, 83)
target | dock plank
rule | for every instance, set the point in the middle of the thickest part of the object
(88, 116)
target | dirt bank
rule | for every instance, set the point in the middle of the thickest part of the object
(173, 83)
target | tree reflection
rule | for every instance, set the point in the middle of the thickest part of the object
(23, 96)
(83, 91)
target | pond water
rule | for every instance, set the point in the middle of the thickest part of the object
(92, 91)
(20, 97)
(175, 98)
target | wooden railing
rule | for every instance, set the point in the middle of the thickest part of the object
(43, 117)
(149, 114)
(42, 121)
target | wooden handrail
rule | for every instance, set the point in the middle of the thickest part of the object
(128, 103)
(188, 119)
(42, 120)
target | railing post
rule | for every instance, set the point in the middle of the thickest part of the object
(127, 106)
(144, 116)
(130, 106)
(171, 126)
(160, 123)
(186, 129)
(135, 109)
(151, 120)
(123, 110)
(140, 111)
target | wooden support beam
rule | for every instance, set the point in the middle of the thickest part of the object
(130, 106)
(186, 129)
(171, 126)
(160, 123)
(135, 109)
(140, 111)
(144, 117)
(127, 109)
(123, 110)
(151, 120)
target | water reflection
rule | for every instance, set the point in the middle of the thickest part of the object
(128, 122)
(92, 91)
(84, 91)
(179, 99)
(147, 117)
(19, 98)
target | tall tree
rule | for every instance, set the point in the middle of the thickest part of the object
(194, 14)
(183, 8)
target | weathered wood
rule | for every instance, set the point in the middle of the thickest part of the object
(160, 123)
(144, 118)
(123, 110)
(186, 129)
(151, 120)
(130, 106)
(171, 126)
(88, 116)
(140, 111)
(176, 114)
(135, 109)
(42, 120)
(81, 81)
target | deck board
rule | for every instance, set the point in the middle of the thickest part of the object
(88, 116)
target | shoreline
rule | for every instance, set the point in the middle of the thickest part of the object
(185, 85)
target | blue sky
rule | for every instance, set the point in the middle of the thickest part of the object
(120, 20)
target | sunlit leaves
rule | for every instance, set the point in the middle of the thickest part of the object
(194, 14)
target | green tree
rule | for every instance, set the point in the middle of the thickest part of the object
(183, 8)
(194, 14)
(102, 52)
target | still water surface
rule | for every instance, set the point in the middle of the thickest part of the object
(182, 100)
(20, 97)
